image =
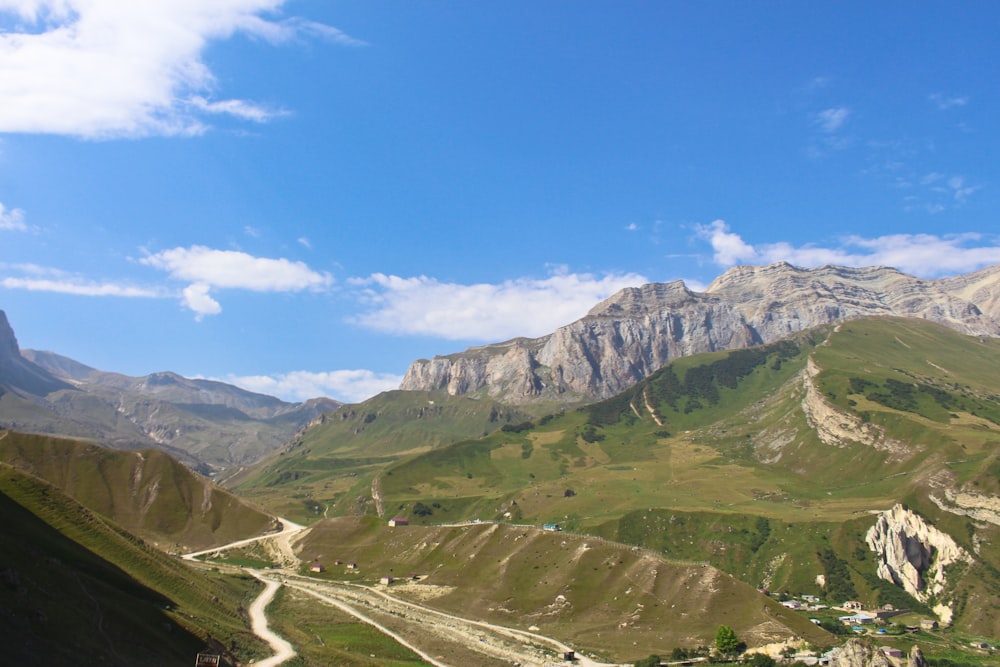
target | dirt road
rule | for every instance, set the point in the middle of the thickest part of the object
(444, 640)
(440, 639)
(283, 651)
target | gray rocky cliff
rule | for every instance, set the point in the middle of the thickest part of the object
(915, 555)
(638, 330)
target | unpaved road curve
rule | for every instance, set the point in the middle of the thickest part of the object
(425, 631)
(283, 651)
(258, 622)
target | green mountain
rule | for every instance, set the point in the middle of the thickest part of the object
(780, 464)
(76, 589)
(146, 492)
(328, 468)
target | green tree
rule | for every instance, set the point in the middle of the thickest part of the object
(651, 661)
(726, 641)
(761, 660)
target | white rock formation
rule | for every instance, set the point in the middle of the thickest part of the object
(914, 554)
(859, 653)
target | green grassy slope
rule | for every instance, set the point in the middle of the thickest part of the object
(148, 493)
(697, 459)
(605, 597)
(330, 466)
(76, 589)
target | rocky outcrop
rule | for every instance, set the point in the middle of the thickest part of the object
(837, 427)
(916, 658)
(971, 504)
(18, 374)
(914, 554)
(638, 330)
(859, 653)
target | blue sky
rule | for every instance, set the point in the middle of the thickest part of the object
(303, 197)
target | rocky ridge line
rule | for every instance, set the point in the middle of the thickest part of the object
(638, 330)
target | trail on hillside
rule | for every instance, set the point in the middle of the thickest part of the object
(283, 650)
(444, 640)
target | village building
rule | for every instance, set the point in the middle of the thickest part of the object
(398, 521)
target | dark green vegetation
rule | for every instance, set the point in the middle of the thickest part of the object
(728, 458)
(147, 492)
(328, 470)
(76, 589)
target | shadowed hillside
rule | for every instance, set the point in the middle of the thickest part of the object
(146, 492)
(76, 589)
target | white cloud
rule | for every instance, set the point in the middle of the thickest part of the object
(80, 287)
(632, 227)
(108, 68)
(197, 298)
(831, 120)
(349, 386)
(945, 102)
(924, 255)
(12, 220)
(238, 108)
(207, 268)
(486, 312)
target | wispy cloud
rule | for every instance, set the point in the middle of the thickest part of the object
(120, 68)
(945, 102)
(349, 386)
(207, 269)
(36, 278)
(924, 255)
(12, 220)
(831, 120)
(484, 312)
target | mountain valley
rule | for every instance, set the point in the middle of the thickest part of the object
(673, 462)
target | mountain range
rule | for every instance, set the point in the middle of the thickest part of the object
(210, 426)
(827, 434)
(638, 330)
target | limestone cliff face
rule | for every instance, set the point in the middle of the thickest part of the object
(914, 554)
(638, 330)
(859, 653)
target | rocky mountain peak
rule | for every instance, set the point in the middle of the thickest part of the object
(8, 342)
(633, 301)
(639, 329)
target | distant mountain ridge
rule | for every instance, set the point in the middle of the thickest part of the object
(208, 425)
(633, 333)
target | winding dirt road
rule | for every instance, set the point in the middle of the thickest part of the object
(439, 638)
(283, 651)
